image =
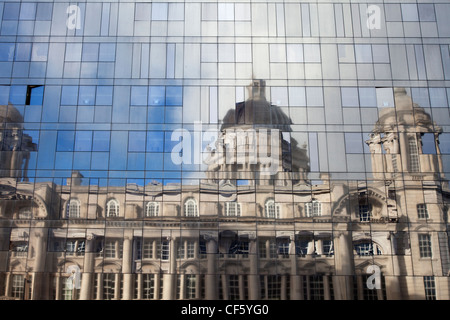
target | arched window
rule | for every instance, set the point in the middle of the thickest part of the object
(73, 208)
(233, 209)
(112, 208)
(152, 209)
(190, 208)
(25, 213)
(313, 208)
(272, 209)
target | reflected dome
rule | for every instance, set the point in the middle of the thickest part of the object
(257, 111)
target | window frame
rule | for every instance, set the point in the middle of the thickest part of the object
(429, 284)
(233, 205)
(425, 246)
(70, 205)
(116, 208)
(148, 208)
(366, 215)
(272, 209)
(422, 211)
(188, 212)
(313, 208)
(374, 248)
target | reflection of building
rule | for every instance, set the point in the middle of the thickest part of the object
(232, 239)
(15, 144)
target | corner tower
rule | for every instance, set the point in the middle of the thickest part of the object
(405, 141)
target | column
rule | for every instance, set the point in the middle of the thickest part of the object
(283, 295)
(211, 276)
(224, 279)
(88, 269)
(393, 291)
(8, 284)
(169, 278)
(38, 238)
(127, 265)
(182, 286)
(326, 287)
(157, 286)
(197, 286)
(295, 278)
(241, 287)
(253, 277)
(360, 285)
(139, 286)
(58, 287)
(301, 283)
(344, 266)
(117, 286)
(99, 286)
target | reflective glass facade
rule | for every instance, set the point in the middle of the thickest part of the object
(236, 150)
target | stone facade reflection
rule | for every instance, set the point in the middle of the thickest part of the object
(236, 235)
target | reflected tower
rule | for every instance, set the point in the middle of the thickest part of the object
(15, 144)
(405, 141)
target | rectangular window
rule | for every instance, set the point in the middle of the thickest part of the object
(422, 211)
(109, 284)
(68, 291)
(148, 289)
(17, 286)
(178, 287)
(327, 248)
(110, 249)
(273, 250)
(364, 249)
(425, 246)
(233, 209)
(364, 213)
(301, 247)
(20, 249)
(190, 249)
(316, 288)
(147, 250)
(430, 288)
(190, 283)
(274, 287)
(262, 249)
(71, 247)
(368, 294)
(233, 287)
(283, 248)
(165, 247)
(202, 249)
(180, 250)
